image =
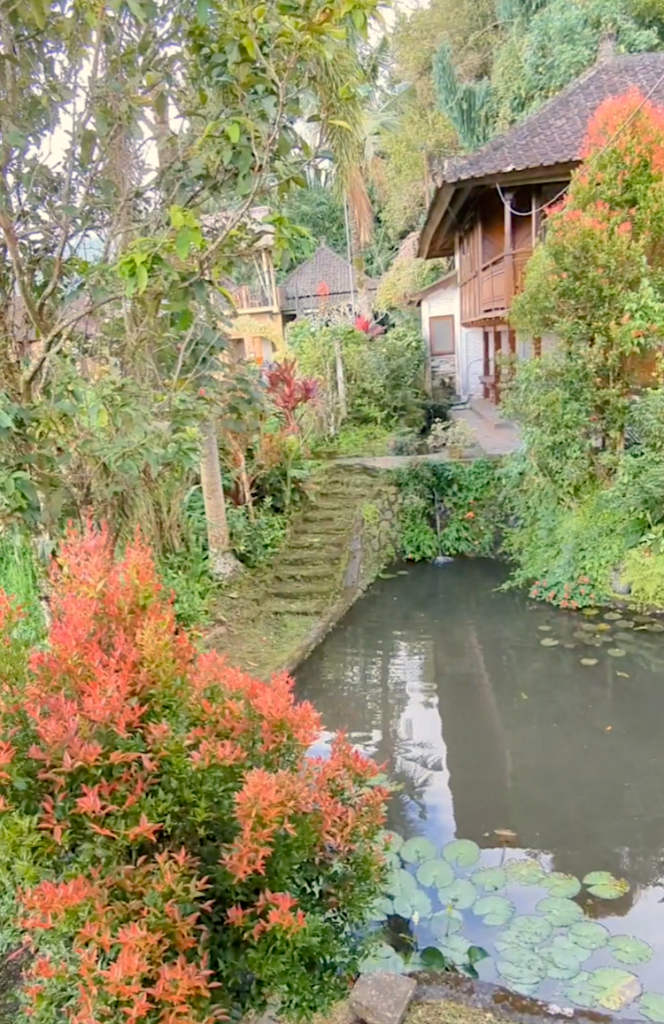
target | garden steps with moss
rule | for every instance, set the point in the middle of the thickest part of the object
(272, 616)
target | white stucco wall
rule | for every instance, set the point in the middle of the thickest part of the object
(466, 365)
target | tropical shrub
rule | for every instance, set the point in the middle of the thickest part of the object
(168, 850)
(449, 507)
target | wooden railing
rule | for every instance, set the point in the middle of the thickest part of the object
(255, 299)
(488, 293)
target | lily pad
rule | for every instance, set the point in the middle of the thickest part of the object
(652, 1007)
(446, 922)
(603, 627)
(610, 987)
(544, 628)
(589, 935)
(434, 959)
(490, 879)
(560, 912)
(391, 840)
(382, 909)
(417, 850)
(561, 964)
(382, 958)
(655, 627)
(435, 872)
(455, 948)
(603, 885)
(463, 852)
(612, 616)
(549, 641)
(521, 966)
(588, 661)
(401, 883)
(588, 626)
(528, 931)
(628, 950)
(624, 637)
(590, 612)
(494, 910)
(525, 872)
(579, 635)
(616, 652)
(563, 942)
(461, 894)
(415, 906)
(559, 884)
(626, 624)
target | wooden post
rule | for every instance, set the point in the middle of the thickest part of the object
(486, 364)
(535, 215)
(537, 347)
(497, 352)
(509, 251)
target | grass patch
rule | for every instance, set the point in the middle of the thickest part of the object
(357, 441)
(438, 1012)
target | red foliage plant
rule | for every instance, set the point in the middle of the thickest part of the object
(363, 324)
(288, 391)
(191, 851)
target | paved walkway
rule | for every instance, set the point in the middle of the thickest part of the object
(495, 437)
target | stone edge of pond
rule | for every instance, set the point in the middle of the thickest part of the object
(497, 1000)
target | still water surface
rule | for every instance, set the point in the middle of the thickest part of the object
(445, 679)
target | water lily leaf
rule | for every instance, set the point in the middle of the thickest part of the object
(455, 949)
(463, 852)
(421, 904)
(580, 992)
(544, 628)
(528, 931)
(392, 861)
(563, 942)
(392, 841)
(561, 963)
(589, 935)
(560, 912)
(461, 894)
(588, 626)
(403, 907)
(614, 988)
(446, 922)
(401, 883)
(417, 850)
(382, 909)
(628, 950)
(603, 885)
(495, 910)
(562, 885)
(654, 627)
(525, 872)
(521, 966)
(617, 652)
(612, 616)
(434, 959)
(490, 879)
(628, 623)
(588, 661)
(435, 872)
(625, 637)
(652, 1007)
(549, 641)
(602, 627)
(590, 611)
(382, 958)
(579, 635)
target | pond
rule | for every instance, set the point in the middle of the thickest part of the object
(538, 736)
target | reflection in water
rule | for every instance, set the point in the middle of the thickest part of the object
(446, 680)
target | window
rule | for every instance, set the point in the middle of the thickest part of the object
(441, 335)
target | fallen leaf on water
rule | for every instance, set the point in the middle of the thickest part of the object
(609, 728)
(525, 695)
(623, 675)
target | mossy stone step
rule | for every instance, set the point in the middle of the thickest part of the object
(320, 556)
(301, 590)
(325, 535)
(308, 609)
(330, 504)
(321, 515)
(288, 571)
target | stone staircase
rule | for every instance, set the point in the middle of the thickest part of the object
(308, 574)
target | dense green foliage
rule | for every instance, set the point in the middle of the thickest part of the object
(448, 508)
(584, 508)
(169, 851)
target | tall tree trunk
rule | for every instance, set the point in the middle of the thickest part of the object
(223, 561)
(341, 381)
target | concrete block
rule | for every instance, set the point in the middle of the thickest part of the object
(382, 998)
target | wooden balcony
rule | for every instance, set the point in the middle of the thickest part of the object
(487, 293)
(250, 299)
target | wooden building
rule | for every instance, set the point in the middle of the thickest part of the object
(489, 209)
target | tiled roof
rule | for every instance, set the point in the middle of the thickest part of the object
(325, 268)
(555, 132)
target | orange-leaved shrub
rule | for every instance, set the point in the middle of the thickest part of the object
(170, 853)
